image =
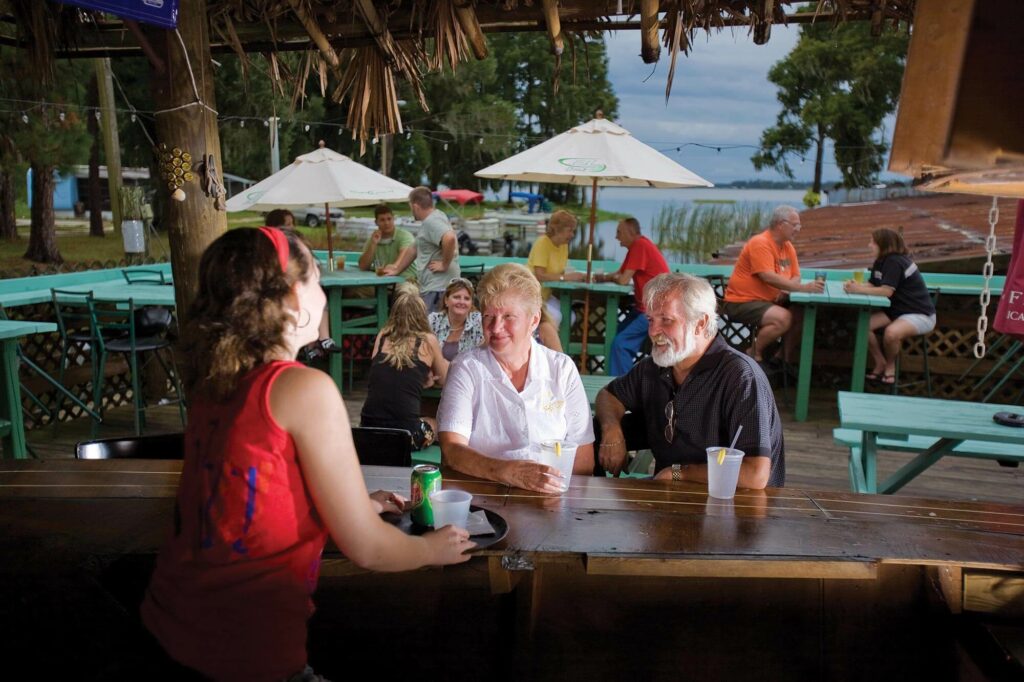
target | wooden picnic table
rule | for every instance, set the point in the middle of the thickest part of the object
(948, 426)
(833, 295)
(845, 577)
(12, 426)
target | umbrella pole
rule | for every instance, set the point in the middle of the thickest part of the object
(590, 263)
(330, 238)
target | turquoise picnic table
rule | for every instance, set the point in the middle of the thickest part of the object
(12, 427)
(593, 383)
(140, 294)
(375, 309)
(612, 293)
(931, 427)
(832, 296)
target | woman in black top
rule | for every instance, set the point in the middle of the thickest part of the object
(911, 311)
(406, 357)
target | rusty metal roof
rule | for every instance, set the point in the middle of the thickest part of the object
(944, 228)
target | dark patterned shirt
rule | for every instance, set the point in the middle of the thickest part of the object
(724, 389)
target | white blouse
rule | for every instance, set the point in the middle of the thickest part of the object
(480, 403)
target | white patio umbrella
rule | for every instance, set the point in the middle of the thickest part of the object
(596, 153)
(323, 177)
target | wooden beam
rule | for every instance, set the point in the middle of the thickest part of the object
(315, 34)
(711, 567)
(471, 27)
(1000, 594)
(292, 37)
(554, 26)
(763, 14)
(650, 47)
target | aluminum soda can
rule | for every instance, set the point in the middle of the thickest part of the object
(426, 479)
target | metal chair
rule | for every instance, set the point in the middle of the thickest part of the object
(164, 446)
(123, 328)
(77, 325)
(144, 276)
(383, 447)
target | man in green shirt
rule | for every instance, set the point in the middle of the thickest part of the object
(389, 250)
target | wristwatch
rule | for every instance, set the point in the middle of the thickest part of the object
(677, 472)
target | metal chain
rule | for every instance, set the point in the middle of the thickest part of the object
(986, 271)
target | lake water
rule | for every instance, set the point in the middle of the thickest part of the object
(644, 204)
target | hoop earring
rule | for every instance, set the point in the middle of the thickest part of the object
(306, 323)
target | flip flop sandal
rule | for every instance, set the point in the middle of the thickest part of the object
(888, 379)
(873, 376)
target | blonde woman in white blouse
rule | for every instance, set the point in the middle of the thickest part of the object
(507, 396)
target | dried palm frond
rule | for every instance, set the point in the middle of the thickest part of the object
(438, 18)
(369, 83)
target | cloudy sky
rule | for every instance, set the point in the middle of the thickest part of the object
(720, 95)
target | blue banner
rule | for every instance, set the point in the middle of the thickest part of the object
(162, 13)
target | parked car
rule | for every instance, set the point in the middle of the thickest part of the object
(313, 216)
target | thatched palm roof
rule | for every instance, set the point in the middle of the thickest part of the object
(368, 45)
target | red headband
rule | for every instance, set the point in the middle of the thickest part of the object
(280, 243)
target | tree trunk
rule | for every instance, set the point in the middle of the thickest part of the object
(819, 157)
(94, 197)
(194, 223)
(42, 239)
(8, 224)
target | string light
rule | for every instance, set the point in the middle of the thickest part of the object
(241, 124)
(266, 123)
(97, 114)
(134, 118)
(375, 140)
(24, 118)
(446, 146)
(60, 116)
(307, 128)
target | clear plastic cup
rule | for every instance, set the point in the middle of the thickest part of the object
(722, 478)
(451, 507)
(561, 458)
(820, 276)
(858, 276)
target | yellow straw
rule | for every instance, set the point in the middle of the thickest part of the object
(558, 449)
(721, 456)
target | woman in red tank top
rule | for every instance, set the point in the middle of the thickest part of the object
(269, 471)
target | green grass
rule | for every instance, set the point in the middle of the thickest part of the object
(76, 246)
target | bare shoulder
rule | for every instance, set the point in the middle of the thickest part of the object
(301, 392)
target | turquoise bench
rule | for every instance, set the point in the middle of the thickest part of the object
(1007, 454)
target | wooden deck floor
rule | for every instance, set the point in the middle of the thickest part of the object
(812, 460)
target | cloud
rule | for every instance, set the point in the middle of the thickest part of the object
(721, 95)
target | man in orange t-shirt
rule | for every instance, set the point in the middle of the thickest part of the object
(758, 291)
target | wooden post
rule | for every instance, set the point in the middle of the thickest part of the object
(111, 140)
(195, 222)
(586, 295)
(650, 48)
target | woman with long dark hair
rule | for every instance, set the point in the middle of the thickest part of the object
(911, 311)
(269, 471)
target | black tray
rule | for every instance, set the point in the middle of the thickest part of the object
(404, 523)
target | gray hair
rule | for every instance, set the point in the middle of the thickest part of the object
(782, 213)
(694, 294)
(632, 223)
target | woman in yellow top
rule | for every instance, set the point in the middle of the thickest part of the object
(549, 256)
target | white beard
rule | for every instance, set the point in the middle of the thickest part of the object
(668, 355)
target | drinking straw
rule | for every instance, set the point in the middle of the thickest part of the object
(721, 453)
(558, 448)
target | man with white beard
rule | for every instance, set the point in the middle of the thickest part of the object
(694, 392)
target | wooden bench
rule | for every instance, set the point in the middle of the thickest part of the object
(1007, 454)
